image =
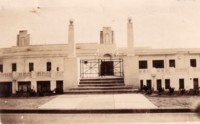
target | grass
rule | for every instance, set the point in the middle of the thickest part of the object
(23, 102)
(174, 101)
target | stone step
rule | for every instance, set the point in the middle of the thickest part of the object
(102, 88)
(96, 79)
(101, 85)
(102, 91)
(87, 81)
(100, 82)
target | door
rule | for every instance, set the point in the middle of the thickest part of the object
(24, 86)
(149, 85)
(141, 84)
(43, 86)
(159, 84)
(181, 84)
(107, 68)
(196, 83)
(59, 87)
(5, 88)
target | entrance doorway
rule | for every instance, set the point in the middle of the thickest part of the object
(159, 84)
(149, 85)
(59, 87)
(107, 68)
(196, 83)
(5, 88)
(43, 86)
(100, 68)
(24, 86)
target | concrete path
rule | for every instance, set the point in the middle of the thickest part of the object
(99, 101)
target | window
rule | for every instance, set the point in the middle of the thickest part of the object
(172, 63)
(159, 84)
(167, 83)
(181, 84)
(158, 63)
(193, 63)
(1, 67)
(149, 84)
(48, 66)
(14, 67)
(143, 64)
(31, 67)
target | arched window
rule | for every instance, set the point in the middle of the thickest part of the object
(48, 66)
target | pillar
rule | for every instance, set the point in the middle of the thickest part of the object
(71, 43)
(53, 85)
(130, 42)
(72, 73)
(34, 85)
(131, 73)
(14, 86)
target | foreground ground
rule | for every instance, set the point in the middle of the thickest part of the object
(151, 118)
(159, 101)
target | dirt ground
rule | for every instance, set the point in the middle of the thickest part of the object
(174, 101)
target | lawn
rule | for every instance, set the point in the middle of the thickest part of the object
(174, 101)
(23, 102)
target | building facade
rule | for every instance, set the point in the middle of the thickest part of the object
(62, 66)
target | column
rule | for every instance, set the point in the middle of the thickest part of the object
(53, 85)
(34, 85)
(14, 86)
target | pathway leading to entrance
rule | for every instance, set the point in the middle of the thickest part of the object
(99, 101)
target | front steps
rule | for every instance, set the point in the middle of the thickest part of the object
(101, 86)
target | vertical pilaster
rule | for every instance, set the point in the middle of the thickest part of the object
(14, 86)
(53, 84)
(34, 85)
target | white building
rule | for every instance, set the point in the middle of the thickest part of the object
(62, 66)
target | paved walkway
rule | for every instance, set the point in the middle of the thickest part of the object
(99, 101)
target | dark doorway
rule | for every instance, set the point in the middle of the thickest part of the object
(196, 83)
(107, 68)
(5, 88)
(181, 84)
(59, 87)
(159, 84)
(24, 86)
(149, 85)
(141, 84)
(43, 86)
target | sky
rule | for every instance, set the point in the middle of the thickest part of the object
(157, 23)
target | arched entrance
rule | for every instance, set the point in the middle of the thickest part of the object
(91, 68)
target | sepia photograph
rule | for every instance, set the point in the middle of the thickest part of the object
(99, 61)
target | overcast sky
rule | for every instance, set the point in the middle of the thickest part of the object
(157, 23)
